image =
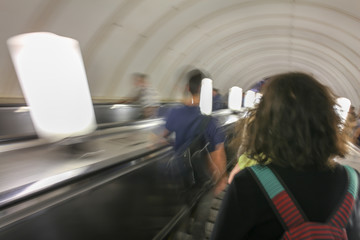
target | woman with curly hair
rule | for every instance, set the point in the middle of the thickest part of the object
(294, 131)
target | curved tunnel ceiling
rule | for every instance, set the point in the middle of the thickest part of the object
(237, 42)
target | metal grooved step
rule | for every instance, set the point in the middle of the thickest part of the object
(185, 230)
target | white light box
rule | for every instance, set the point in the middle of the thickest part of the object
(53, 80)
(249, 99)
(342, 108)
(258, 97)
(235, 98)
(206, 96)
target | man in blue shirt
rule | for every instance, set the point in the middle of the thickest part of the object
(218, 101)
(185, 121)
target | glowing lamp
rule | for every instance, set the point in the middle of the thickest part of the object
(342, 108)
(249, 99)
(53, 80)
(235, 98)
(206, 96)
(258, 97)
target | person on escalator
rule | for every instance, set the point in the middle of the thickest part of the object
(185, 122)
(296, 186)
(188, 124)
(146, 96)
(218, 100)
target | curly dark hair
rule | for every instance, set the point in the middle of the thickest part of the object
(294, 125)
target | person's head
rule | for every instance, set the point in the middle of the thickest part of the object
(139, 79)
(215, 91)
(295, 124)
(194, 81)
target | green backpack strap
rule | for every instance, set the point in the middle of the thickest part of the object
(353, 186)
(342, 214)
(287, 211)
(282, 203)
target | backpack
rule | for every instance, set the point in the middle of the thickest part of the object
(291, 216)
(192, 157)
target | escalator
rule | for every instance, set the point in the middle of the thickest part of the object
(112, 184)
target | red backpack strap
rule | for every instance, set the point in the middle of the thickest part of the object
(341, 216)
(289, 213)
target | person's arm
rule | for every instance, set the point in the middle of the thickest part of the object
(164, 137)
(168, 128)
(242, 163)
(166, 133)
(218, 158)
(214, 134)
(233, 172)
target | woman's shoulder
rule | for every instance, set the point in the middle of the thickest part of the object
(340, 168)
(243, 177)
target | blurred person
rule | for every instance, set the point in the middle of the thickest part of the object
(218, 101)
(295, 125)
(185, 121)
(146, 96)
(352, 126)
(356, 136)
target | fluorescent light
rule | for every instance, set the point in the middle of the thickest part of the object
(235, 98)
(249, 99)
(206, 96)
(22, 109)
(342, 108)
(258, 97)
(115, 106)
(53, 80)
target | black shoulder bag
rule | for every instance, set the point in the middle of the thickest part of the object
(192, 158)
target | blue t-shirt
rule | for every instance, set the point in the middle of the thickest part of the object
(185, 120)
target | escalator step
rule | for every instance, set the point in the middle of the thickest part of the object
(216, 203)
(182, 236)
(221, 195)
(212, 215)
(208, 228)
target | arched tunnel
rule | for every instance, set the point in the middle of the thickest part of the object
(116, 180)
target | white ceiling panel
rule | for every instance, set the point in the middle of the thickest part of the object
(238, 42)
